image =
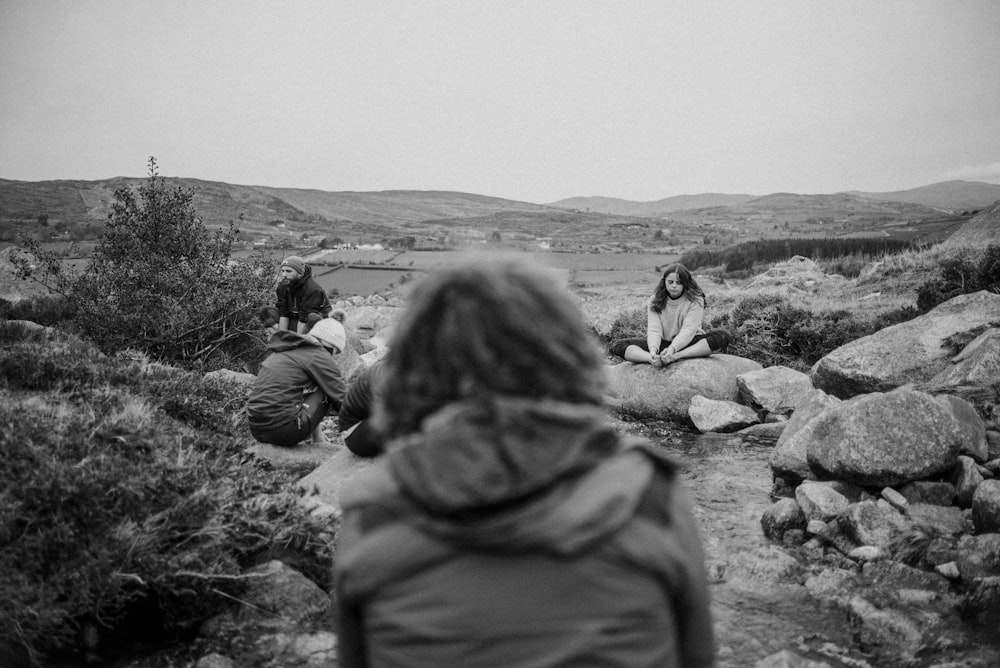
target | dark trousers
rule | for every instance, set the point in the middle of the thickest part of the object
(311, 412)
(718, 342)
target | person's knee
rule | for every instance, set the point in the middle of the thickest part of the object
(718, 340)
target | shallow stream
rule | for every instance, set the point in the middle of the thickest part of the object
(730, 480)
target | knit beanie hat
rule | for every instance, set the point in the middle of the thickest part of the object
(296, 263)
(330, 331)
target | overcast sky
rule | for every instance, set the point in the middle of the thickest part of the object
(536, 100)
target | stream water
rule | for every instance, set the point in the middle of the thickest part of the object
(730, 480)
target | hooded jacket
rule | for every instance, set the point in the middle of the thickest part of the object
(296, 363)
(300, 297)
(520, 532)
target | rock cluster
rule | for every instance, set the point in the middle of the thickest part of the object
(898, 483)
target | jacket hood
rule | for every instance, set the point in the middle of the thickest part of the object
(284, 339)
(513, 473)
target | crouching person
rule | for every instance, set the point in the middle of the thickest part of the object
(508, 523)
(297, 385)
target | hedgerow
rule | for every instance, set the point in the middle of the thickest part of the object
(125, 488)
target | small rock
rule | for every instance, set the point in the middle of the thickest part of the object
(937, 493)
(888, 635)
(820, 501)
(780, 517)
(789, 659)
(948, 570)
(895, 499)
(979, 556)
(866, 553)
(986, 507)
(966, 478)
(214, 660)
(713, 415)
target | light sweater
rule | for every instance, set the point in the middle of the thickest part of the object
(677, 323)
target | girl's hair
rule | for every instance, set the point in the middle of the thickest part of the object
(484, 328)
(691, 289)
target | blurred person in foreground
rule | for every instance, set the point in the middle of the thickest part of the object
(508, 524)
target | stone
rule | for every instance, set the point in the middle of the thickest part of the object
(870, 523)
(948, 570)
(214, 660)
(941, 550)
(836, 585)
(328, 479)
(894, 498)
(909, 352)
(767, 563)
(643, 391)
(993, 444)
(777, 389)
(888, 635)
(979, 556)
(819, 502)
(966, 478)
(986, 507)
(977, 364)
(816, 528)
(981, 602)
(994, 466)
(884, 439)
(713, 415)
(766, 430)
(890, 576)
(941, 520)
(793, 537)
(788, 459)
(921, 491)
(780, 517)
(867, 553)
(970, 426)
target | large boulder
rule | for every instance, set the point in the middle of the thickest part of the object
(886, 439)
(981, 230)
(328, 479)
(910, 352)
(647, 392)
(977, 364)
(788, 459)
(777, 389)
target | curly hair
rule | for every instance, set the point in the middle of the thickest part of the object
(691, 289)
(482, 328)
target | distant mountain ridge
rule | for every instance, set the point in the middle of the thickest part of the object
(946, 196)
(217, 202)
(395, 211)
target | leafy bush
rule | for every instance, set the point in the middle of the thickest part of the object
(770, 330)
(111, 503)
(628, 324)
(161, 282)
(961, 274)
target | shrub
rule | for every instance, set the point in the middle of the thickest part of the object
(46, 310)
(770, 330)
(161, 282)
(628, 324)
(960, 274)
(113, 507)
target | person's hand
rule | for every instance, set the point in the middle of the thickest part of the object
(655, 360)
(666, 358)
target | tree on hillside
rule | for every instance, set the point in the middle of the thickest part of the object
(161, 282)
